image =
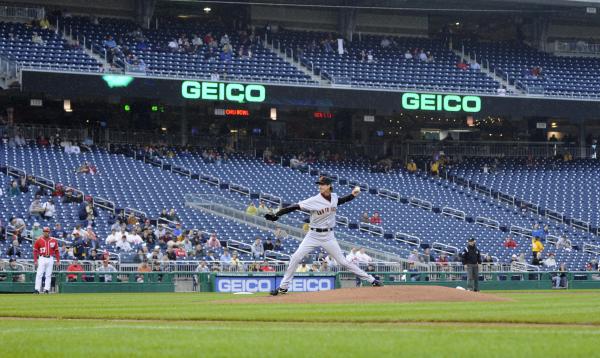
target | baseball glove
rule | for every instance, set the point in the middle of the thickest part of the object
(271, 217)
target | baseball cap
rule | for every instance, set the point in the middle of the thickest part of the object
(12, 259)
(46, 229)
(36, 224)
(472, 239)
(324, 180)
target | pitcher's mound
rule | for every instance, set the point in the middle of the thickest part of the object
(387, 294)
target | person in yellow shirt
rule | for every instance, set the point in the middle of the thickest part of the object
(411, 166)
(251, 209)
(435, 168)
(536, 246)
(302, 268)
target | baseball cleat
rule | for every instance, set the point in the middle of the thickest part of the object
(46, 292)
(279, 291)
(377, 283)
(36, 292)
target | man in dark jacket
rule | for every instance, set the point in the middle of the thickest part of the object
(471, 258)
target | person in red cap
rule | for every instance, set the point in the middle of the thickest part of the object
(43, 249)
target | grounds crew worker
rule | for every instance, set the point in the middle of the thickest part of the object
(471, 258)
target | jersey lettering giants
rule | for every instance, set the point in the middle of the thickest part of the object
(322, 211)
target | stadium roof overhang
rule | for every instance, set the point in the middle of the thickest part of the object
(426, 6)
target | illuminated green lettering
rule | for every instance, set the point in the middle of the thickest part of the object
(440, 102)
(255, 93)
(236, 97)
(214, 91)
(452, 107)
(471, 104)
(210, 90)
(410, 101)
(428, 102)
(190, 89)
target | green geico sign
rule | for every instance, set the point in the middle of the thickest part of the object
(216, 91)
(441, 102)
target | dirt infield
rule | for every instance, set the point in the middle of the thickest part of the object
(387, 294)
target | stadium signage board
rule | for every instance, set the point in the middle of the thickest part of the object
(217, 91)
(440, 102)
(267, 283)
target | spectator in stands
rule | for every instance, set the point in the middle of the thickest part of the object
(213, 242)
(106, 267)
(14, 249)
(113, 237)
(245, 52)
(251, 209)
(180, 252)
(463, 65)
(13, 267)
(280, 233)
(123, 245)
(13, 189)
(422, 56)
(262, 209)
(173, 45)
(385, 42)
(36, 231)
(44, 24)
(475, 66)
(488, 259)
(225, 257)
(35, 208)
(521, 258)
(501, 91)
(75, 266)
(278, 245)
(109, 42)
(536, 246)
(202, 267)
(510, 243)
(351, 257)
(375, 219)
(144, 268)
(427, 256)
(302, 268)
(257, 249)
(414, 256)
(49, 209)
(550, 261)
(196, 42)
(37, 39)
(408, 55)
(370, 58)
(70, 198)
(17, 226)
(564, 243)
(172, 215)
(537, 258)
(559, 280)
(226, 54)
(268, 245)
(365, 219)
(411, 167)
(363, 257)
(236, 264)
(94, 255)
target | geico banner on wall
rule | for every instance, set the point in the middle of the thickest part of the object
(267, 283)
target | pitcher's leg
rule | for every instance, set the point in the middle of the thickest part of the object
(333, 248)
(306, 246)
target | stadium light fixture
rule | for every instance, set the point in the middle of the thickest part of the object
(67, 105)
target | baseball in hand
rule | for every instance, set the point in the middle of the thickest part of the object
(356, 191)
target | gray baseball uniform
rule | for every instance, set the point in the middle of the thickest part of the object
(322, 221)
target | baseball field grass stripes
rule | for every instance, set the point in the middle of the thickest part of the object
(539, 324)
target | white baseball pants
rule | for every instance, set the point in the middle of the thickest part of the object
(327, 241)
(45, 265)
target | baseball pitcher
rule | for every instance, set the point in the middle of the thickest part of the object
(322, 208)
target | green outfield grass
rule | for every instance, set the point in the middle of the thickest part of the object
(194, 324)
